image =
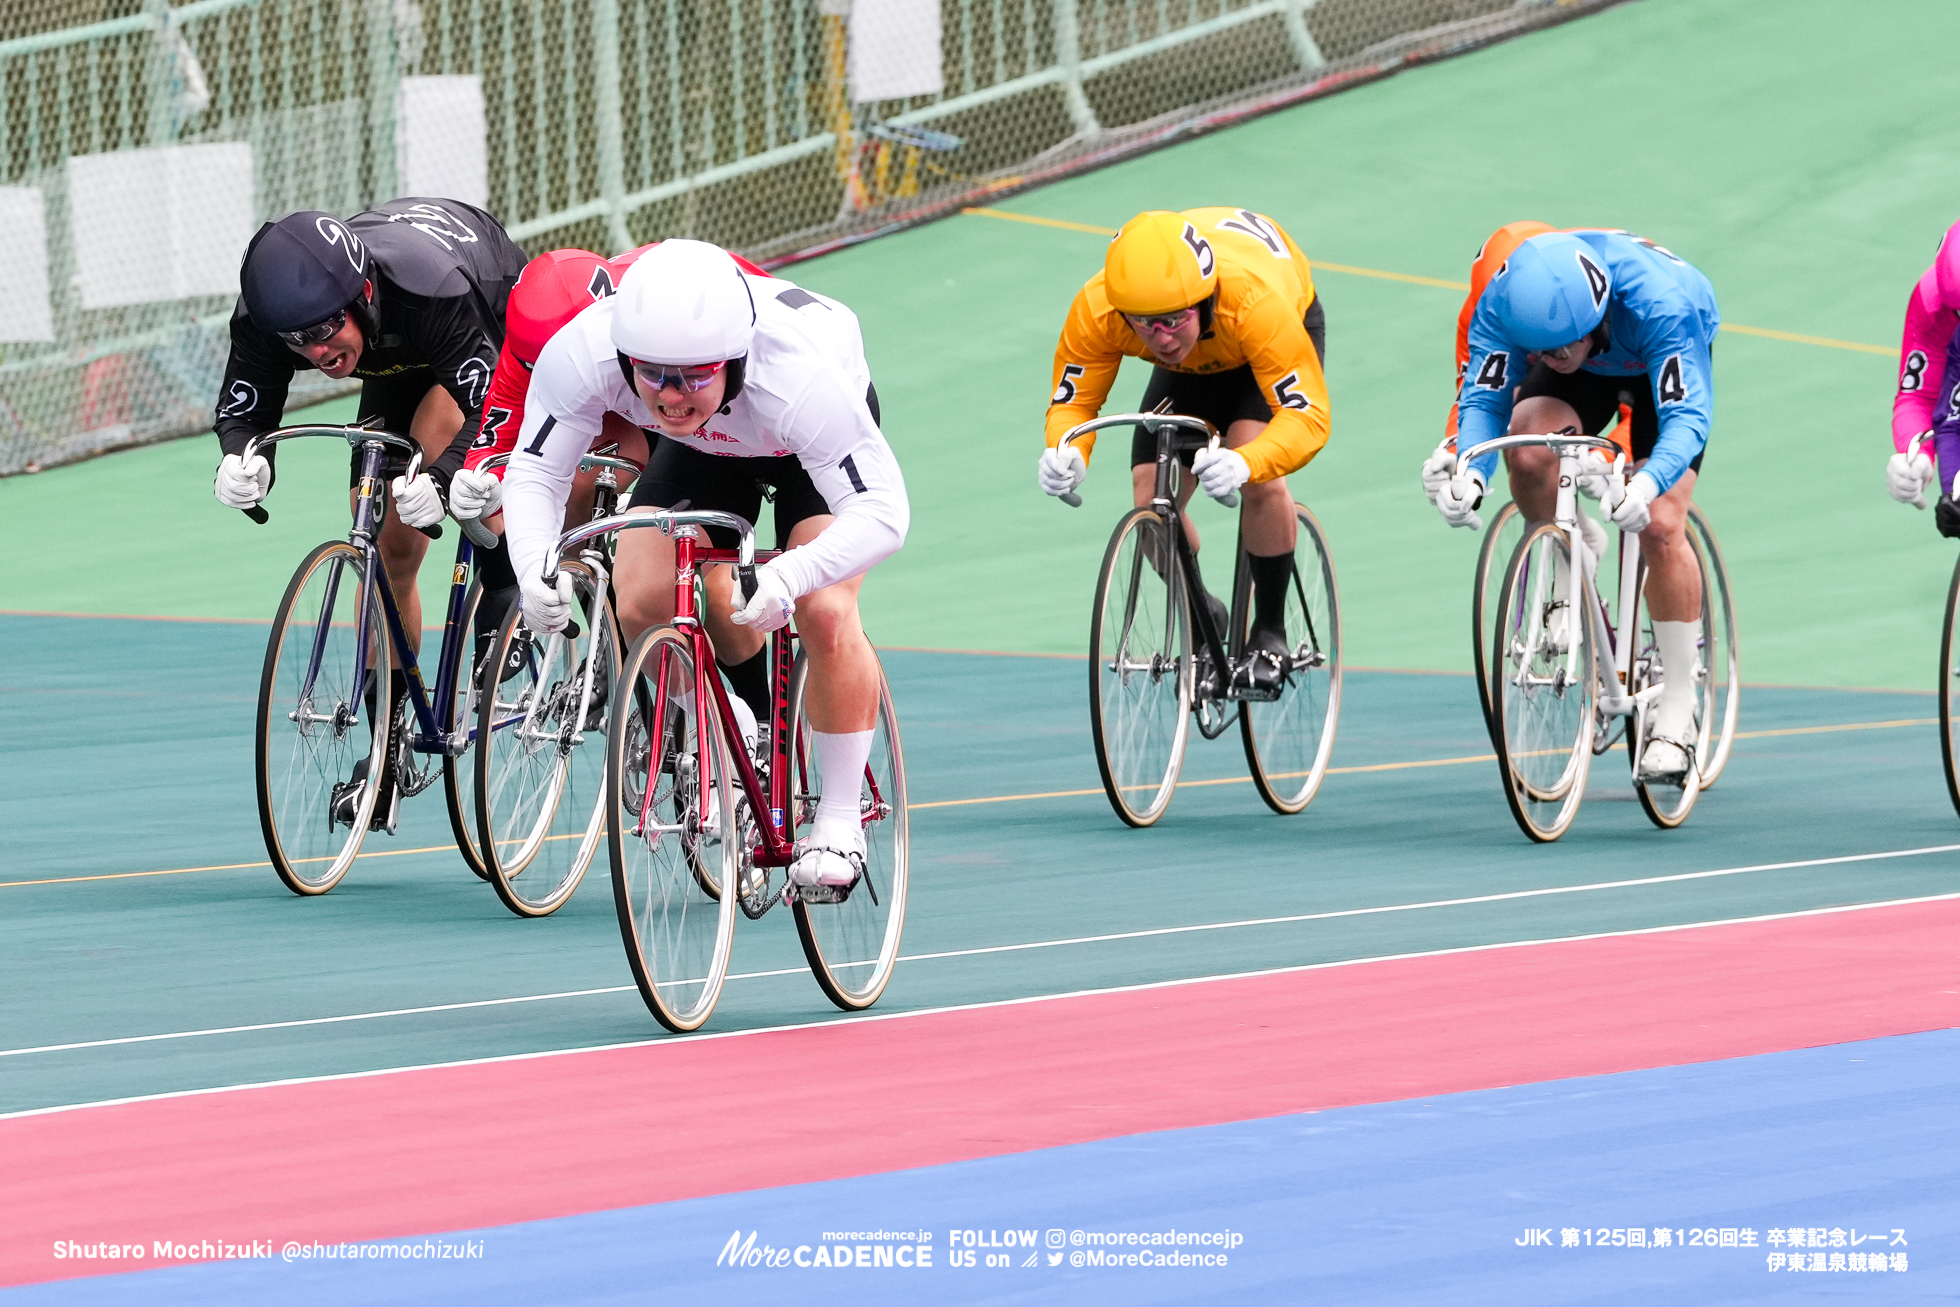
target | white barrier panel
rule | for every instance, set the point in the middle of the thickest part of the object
(440, 143)
(155, 225)
(895, 50)
(26, 314)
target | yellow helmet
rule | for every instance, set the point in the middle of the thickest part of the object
(1158, 263)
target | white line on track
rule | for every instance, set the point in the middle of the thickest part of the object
(1016, 948)
(670, 1042)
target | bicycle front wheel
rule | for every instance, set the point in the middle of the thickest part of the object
(1500, 542)
(670, 832)
(1721, 651)
(540, 759)
(1140, 668)
(320, 750)
(1543, 682)
(1949, 670)
(852, 945)
(459, 770)
(1288, 738)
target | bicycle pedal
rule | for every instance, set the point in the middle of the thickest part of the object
(793, 893)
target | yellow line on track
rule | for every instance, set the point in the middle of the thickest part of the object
(1382, 275)
(1019, 798)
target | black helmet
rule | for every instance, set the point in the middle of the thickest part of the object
(301, 270)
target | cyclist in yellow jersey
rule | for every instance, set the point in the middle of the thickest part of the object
(1222, 302)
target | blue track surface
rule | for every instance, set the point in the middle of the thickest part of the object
(1418, 1202)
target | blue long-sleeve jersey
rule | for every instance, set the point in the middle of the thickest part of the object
(1662, 319)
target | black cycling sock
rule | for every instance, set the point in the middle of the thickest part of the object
(491, 609)
(751, 680)
(1271, 575)
(493, 568)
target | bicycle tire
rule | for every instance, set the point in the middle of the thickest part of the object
(678, 936)
(852, 945)
(1288, 740)
(1666, 805)
(301, 786)
(1140, 668)
(459, 769)
(1500, 541)
(1724, 657)
(540, 767)
(1542, 698)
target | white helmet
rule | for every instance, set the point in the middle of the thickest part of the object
(683, 302)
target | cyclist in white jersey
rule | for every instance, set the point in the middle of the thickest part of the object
(759, 388)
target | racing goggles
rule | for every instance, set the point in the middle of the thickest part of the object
(688, 379)
(1160, 321)
(317, 334)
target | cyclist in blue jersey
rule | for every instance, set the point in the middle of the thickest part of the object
(1573, 325)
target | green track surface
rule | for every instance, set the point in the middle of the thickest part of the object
(1798, 151)
(133, 781)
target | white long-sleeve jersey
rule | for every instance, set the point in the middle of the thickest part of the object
(803, 394)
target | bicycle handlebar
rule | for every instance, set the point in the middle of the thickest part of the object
(356, 435)
(1148, 421)
(1914, 447)
(1552, 438)
(667, 520)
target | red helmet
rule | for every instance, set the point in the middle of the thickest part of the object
(549, 293)
(621, 262)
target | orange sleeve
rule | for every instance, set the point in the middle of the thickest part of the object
(1287, 368)
(1086, 362)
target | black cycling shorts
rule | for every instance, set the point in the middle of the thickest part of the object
(1595, 397)
(394, 399)
(1220, 398)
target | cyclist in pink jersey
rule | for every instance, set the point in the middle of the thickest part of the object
(1932, 315)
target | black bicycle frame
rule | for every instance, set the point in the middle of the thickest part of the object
(1170, 443)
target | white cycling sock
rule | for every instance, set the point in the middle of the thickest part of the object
(744, 718)
(1680, 650)
(841, 758)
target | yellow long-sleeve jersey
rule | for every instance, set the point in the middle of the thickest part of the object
(1265, 288)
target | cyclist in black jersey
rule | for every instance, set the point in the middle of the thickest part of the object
(409, 297)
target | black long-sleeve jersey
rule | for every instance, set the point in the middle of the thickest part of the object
(443, 270)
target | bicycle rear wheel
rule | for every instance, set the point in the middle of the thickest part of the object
(852, 945)
(540, 764)
(312, 717)
(1500, 542)
(1288, 739)
(678, 927)
(459, 770)
(1949, 670)
(1140, 668)
(1542, 689)
(1721, 650)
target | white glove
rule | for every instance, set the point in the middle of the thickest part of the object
(1631, 513)
(1595, 474)
(417, 503)
(1458, 499)
(241, 484)
(1437, 470)
(546, 608)
(1221, 471)
(772, 606)
(1906, 478)
(474, 495)
(1061, 470)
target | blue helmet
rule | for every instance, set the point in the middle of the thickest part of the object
(301, 270)
(1551, 291)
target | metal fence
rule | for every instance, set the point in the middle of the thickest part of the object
(142, 142)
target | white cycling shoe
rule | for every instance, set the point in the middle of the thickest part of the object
(828, 857)
(1669, 754)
